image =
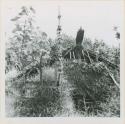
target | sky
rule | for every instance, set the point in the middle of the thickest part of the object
(97, 18)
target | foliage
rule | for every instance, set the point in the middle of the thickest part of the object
(102, 49)
(31, 51)
(41, 105)
(28, 41)
(54, 54)
(68, 41)
(87, 44)
(91, 81)
(32, 99)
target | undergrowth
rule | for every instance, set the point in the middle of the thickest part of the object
(95, 94)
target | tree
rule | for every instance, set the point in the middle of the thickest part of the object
(68, 41)
(23, 35)
(28, 44)
(117, 33)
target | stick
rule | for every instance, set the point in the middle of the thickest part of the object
(83, 55)
(70, 55)
(89, 56)
(112, 77)
(74, 55)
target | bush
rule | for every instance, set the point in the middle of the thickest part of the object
(92, 83)
(42, 105)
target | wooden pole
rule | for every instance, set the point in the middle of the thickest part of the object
(70, 55)
(83, 55)
(112, 77)
(89, 57)
(74, 55)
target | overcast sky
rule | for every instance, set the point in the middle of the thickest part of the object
(96, 18)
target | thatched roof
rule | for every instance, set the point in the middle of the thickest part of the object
(78, 52)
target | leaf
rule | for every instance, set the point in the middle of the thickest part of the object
(15, 19)
(32, 10)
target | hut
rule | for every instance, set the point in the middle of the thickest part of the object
(80, 54)
(86, 83)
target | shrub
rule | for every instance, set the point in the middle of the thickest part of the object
(92, 82)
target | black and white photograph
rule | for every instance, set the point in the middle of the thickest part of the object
(62, 58)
